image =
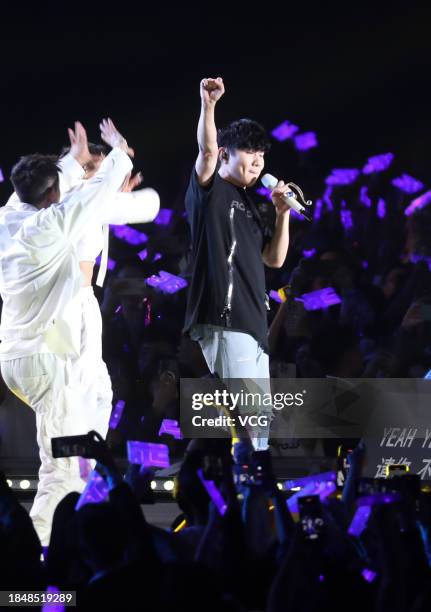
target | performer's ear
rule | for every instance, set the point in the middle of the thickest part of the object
(223, 154)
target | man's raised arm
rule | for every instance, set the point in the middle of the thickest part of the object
(211, 91)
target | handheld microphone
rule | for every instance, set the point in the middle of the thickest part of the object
(290, 197)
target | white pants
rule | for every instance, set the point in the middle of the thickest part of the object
(69, 397)
(237, 355)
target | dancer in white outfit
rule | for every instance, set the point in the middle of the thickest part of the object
(50, 330)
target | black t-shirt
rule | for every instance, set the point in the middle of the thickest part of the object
(226, 290)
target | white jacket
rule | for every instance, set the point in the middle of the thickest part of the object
(39, 265)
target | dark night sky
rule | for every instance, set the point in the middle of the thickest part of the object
(357, 75)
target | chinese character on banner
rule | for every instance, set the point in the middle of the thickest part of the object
(383, 466)
(425, 472)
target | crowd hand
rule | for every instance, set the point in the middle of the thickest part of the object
(277, 196)
(211, 90)
(105, 465)
(113, 138)
(139, 478)
(79, 144)
(413, 316)
(131, 182)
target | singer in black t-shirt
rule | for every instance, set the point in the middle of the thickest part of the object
(226, 307)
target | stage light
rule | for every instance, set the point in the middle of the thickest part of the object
(153, 484)
(280, 486)
(168, 485)
(24, 484)
(9, 482)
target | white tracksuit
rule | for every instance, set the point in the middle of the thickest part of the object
(51, 326)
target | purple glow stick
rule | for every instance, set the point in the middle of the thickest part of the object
(309, 253)
(378, 163)
(359, 521)
(317, 210)
(148, 454)
(118, 309)
(214, 493)
(322, 298)
(369, 575)
(166, 282)
(314, 478)
(407, 184)
(305, 141)
(164, 217)
(342, 176)
(346, 219)
(128, 234)
(418, 203)
(363, 197)
(327, 198)
(381, 208)
(378, 498)
(284, 131)
(143, 254)
(85, 468)
(54, 606)
(1, 176)
(171, 427)
(264, 191)
(116, 414)
(157, 256)
(95, 492)
(274, 295)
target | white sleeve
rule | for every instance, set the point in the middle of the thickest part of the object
(71, 217)
(135, 207)
(71, 174)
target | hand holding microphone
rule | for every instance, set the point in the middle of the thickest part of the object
(286, 195)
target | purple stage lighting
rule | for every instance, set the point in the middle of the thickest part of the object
(322, 298)
(284, 131)
(171, 428)
(378, 163)
(418, 203)
(95, 492)
(342, 176)
(305, 141)
(363, 197)
(128, 234)
(116, 414)
(381, 208)
(148, 454)
(164, 217)
(407, 183)
(166, 282)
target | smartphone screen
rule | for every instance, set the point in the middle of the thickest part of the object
(310, 513)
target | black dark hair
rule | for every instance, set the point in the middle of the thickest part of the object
(33, 176)
(245, 135)
(95, 149)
